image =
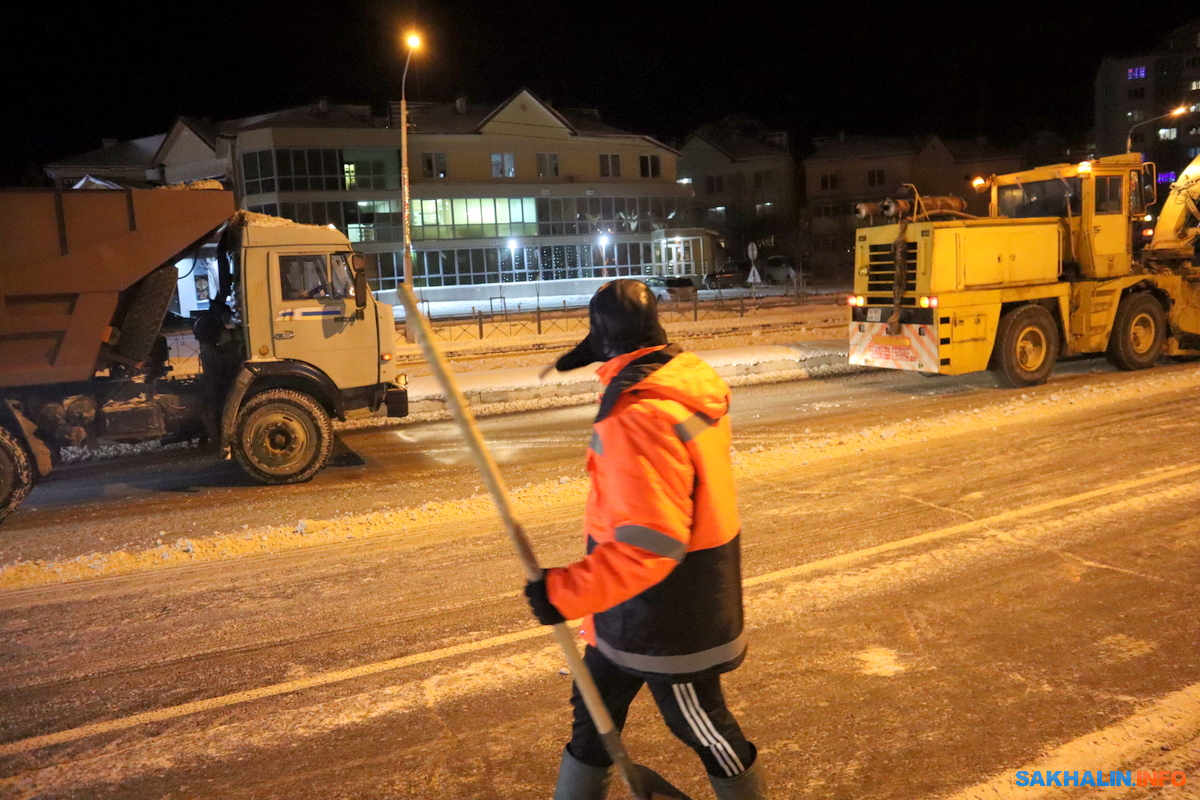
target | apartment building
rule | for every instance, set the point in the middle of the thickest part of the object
(845, 170)
(744, 179)
(514, 199)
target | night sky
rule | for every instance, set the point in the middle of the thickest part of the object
(959, 69)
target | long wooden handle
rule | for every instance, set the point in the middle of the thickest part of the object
(495, 484)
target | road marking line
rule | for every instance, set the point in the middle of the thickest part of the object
(171, 712)
(966, 527)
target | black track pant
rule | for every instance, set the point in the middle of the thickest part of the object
(694, 711)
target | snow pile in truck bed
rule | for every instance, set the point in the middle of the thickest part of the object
(207, 184)
(755, 463)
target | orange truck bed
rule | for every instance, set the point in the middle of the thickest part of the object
(67, 257)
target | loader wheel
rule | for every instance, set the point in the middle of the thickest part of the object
(282, 436)
(1026, 347)
(1138, 333)
(16, 473)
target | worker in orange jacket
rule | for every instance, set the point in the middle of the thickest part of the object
(661, 584)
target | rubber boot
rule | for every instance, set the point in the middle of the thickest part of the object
(750, 785)
(579, 781)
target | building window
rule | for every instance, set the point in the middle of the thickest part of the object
(309, 170)
(504, 165)
(875, 177)
(1191, 62)
(1196, 86)
(716, 215)
(547, 164)
(610, 165)
(651, 166)
(1135, 73)
(364, 175)
(258, 172)
(433, 165)
(829, 182)
(1137, 115)
(1136, 94)
(764, 179)
(714, 184)
(764, 209)
(1168, 134)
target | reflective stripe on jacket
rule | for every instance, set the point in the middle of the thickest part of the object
(662, 576)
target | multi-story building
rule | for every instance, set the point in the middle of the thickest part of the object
(847, 170)
(744, 179)
(515, 199)
(1133, 94)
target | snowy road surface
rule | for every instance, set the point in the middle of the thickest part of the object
(945, 583)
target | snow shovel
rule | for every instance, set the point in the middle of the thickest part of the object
(643, 782)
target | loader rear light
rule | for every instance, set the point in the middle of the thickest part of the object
(928, 302)
(1148, 232)
(856, 300)
(385, 357)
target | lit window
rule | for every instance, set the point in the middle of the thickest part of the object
(433, 165)
(651, 166)
(1168, 134)
(763, 209)
(1135, 73)
(503, 165)
(1195, 86)
(1137, 115)
(610, 165)
(547, 164)
(1166, 177)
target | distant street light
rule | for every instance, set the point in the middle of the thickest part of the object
(1129, 137)
(413, 42)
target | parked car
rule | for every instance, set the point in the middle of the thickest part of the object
(670, 289)
(728, 275)
(776, 269)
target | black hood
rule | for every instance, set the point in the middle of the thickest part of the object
(624, 317)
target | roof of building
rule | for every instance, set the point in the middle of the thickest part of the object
(848, 147)
(741, 139)
(132, 154)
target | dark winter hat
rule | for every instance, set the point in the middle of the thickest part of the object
(624, 317)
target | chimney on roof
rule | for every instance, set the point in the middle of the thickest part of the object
(460, 104)
(108, 142)
(323, 106)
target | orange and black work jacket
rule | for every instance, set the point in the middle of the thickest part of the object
(662, 575)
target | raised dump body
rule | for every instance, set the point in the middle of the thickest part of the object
(86, 276)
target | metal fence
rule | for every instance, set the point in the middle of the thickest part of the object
(498, 322)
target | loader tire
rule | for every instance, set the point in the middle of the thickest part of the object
(282, 436)
(1026, 347)
(1138, 333)
(16, 473)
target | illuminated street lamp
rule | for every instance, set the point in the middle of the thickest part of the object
(1129, 137)
(413, 42)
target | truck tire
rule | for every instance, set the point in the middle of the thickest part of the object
(1138, 333)
(282, 436)
(1026, 347)
(16, 473)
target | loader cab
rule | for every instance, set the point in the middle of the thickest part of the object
(1097, 201)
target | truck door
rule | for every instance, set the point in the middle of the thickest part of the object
(1110, 227)
(314, 317)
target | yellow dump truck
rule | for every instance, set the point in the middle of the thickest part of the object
(1064, 264)
(293, 339)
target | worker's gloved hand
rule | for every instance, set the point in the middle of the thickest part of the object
(539, 602)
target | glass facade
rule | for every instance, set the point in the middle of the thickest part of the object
(476, 265)
(489, 217)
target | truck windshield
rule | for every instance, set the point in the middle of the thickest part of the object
(1058, 197)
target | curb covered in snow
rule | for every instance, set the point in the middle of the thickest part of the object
(523, 383)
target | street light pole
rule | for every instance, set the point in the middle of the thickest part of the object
(1129, 137)
(414, 42)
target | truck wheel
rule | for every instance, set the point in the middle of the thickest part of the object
(16, 473)
(1138, 332)
(1026, 347)
(282, 436)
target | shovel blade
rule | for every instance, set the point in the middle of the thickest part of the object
(647, 784)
